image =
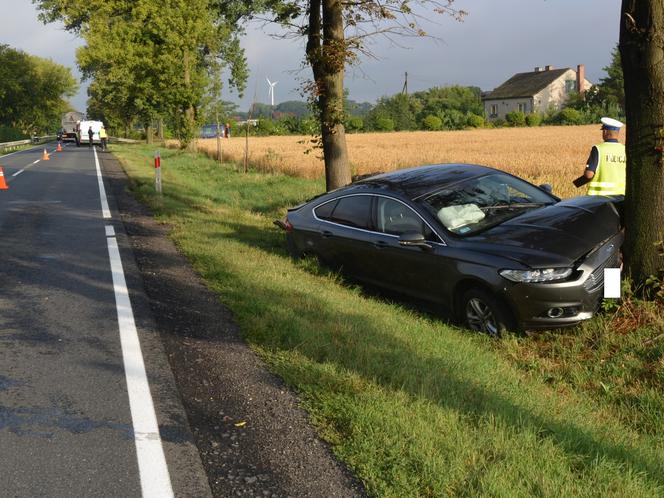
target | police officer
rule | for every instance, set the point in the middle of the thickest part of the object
(605, 169)
(103, 136)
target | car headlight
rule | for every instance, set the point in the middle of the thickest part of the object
(532, 276)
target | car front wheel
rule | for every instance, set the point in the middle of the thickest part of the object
(482, 312)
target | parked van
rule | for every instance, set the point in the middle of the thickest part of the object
(82, 131)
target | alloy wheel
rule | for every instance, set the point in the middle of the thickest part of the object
(480, 317)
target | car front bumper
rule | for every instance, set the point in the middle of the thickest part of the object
(578, 298)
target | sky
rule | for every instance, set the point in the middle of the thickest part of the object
(496, 40)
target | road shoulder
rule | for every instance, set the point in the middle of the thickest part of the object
(252, 435)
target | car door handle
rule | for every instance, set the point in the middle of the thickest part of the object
(380, 244)
(326, 234)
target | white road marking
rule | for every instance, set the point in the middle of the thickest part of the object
(110, 231)
(153, 470)
(18, 172)
(106, 212)
(35, 162)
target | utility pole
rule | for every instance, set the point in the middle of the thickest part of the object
(405, 85)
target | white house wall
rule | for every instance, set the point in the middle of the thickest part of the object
(503, 106)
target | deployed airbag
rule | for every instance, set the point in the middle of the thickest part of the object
(457, 216)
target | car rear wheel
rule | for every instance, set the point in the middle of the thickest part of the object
(482, 312)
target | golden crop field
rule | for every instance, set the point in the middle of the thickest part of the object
(550, 154)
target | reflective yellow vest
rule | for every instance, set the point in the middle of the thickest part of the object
(609, 176)
(102, 133)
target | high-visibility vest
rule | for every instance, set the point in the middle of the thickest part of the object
(102, 133)
(609, 176)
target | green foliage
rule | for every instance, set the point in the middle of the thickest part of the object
(9, 134)
(354, 124)
(516, 118)
(567, 116)
(432, 123)
(384, 124)
(150, 60)
(475, 120)
(533, 119)
(32, 92)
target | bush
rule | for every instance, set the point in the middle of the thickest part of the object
(384, 124)
(355, 124)
(8, 134)
(475, 121)
(533, 119)
(432, 123)
(568, 116)
(516, 118)
(453, 119)
(499, 123)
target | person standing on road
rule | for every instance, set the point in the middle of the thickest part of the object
(103, 137)
(606, 167)
(91, 134)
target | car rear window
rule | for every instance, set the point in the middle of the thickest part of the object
(353, 211)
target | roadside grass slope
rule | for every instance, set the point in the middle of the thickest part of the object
(413, 405)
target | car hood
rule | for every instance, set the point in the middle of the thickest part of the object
(556, 235)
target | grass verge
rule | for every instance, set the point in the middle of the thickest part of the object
(414, 406)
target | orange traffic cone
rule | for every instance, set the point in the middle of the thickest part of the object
(59, 149)
(3, 183)
(45, 156)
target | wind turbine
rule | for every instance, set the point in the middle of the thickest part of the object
(270, 92)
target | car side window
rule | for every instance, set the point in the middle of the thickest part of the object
(353, 211)
(395, 218)
(324, 211)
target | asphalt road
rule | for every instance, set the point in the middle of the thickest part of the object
(78, 415)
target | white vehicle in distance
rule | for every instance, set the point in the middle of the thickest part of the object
(82, 130)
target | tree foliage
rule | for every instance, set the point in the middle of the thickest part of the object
(150, 60)
(32, 92)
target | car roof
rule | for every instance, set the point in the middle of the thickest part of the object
(421, 180)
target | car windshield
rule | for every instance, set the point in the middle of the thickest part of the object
(476, 204)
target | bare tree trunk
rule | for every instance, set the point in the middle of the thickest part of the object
(149, 133)
(327, 61)
(160, 129)
(642, 54)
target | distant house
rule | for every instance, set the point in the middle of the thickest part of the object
(536, 92)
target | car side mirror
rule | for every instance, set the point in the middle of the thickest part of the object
(414, 239)
(547, 187)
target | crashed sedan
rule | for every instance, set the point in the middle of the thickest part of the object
(492, 249)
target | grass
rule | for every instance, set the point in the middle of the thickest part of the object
(414, 406)
(551, 154)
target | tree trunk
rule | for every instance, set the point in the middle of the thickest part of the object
(160, 129)
(149, 132)
(327, 62)
(189, 114)
(642, 54)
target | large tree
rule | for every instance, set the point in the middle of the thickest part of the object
(336, 32)
(33, 91)
(642, 53)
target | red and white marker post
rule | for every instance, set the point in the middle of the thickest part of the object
(157, 172)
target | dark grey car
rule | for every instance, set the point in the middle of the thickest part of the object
(495, 250)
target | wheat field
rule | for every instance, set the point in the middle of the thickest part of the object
(551, 154)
